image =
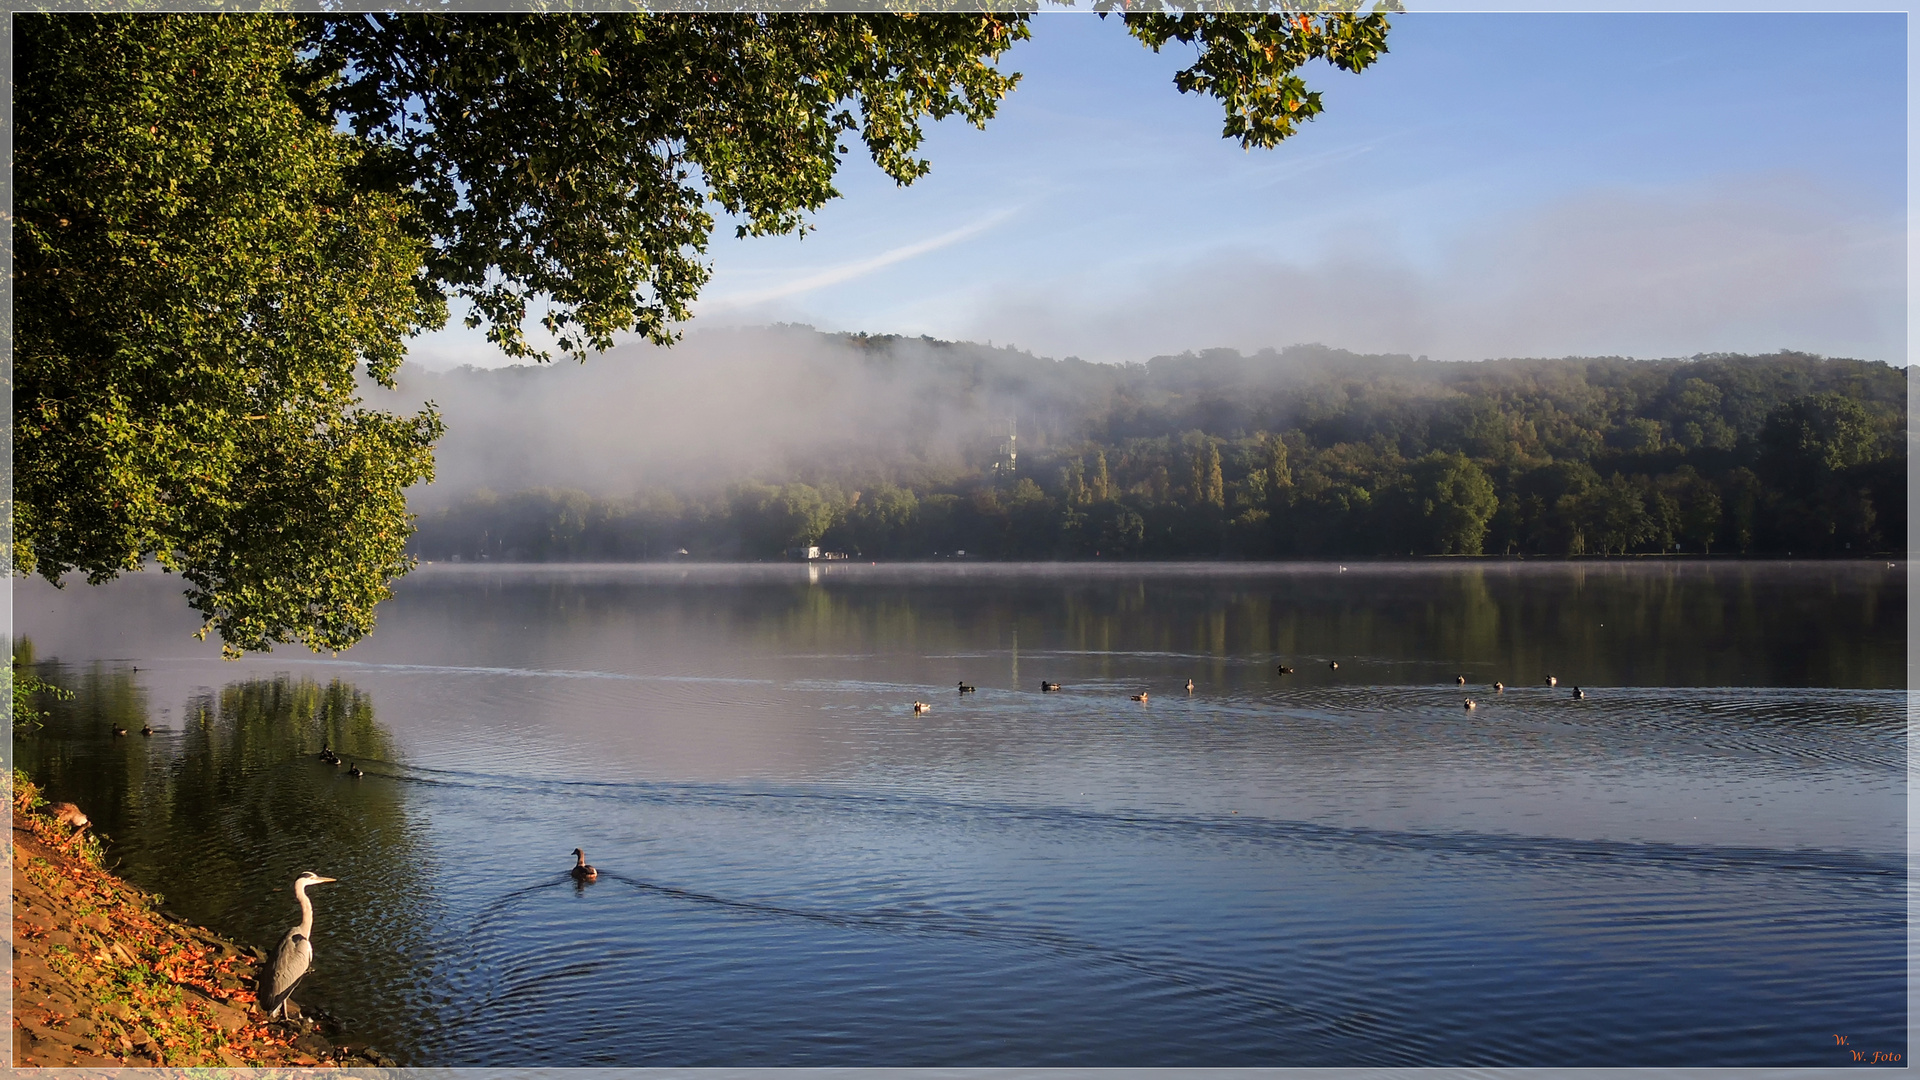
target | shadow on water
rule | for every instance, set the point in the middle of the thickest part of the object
(235, 781)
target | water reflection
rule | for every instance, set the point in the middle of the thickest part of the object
(220, 809)
(1632, 624)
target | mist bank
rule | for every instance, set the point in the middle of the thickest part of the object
(745, 444)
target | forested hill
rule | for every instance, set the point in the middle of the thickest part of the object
(746, 444)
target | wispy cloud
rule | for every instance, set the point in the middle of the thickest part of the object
(835, 275)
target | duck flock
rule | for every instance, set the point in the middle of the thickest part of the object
(1048, 687)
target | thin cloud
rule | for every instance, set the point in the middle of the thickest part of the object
(835, 275)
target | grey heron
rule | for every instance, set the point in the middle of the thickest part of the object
(581, 871)
(295, 954)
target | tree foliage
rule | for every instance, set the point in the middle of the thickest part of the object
(1451, 502)
(1251, 62)
(196, 288)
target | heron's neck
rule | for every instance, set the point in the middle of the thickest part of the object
(306, 910)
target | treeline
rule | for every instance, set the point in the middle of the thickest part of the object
(1307, 452)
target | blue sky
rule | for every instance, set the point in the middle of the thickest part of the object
(1497, 185)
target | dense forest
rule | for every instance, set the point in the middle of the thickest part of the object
(1307, 452)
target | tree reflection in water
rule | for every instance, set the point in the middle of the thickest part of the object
(1618, 622)
(219, 812)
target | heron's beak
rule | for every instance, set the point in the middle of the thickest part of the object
(318, 880)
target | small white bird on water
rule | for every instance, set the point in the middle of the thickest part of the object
(295, 954)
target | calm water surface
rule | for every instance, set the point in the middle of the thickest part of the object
(1700, 863)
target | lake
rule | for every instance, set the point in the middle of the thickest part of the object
(1699, 862)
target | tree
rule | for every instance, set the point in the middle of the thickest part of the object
(1744, 495)
(772, 520)
(1663, 514)
(1699, 507)
(1809, 449)
(1807, 440)
(1209, 488)
(222, 220)
(880, 522)
(1452, 502)
(1279, 472)
(195, 289)
(1618, 515)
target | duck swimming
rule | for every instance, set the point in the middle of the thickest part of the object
(581, 871)
(1553, 680)
(1468, 704)
(1499, 688)
(1189, 686)
(1141, 696)
(146, 729)
(965, 689)
(354, 771)
(1049, 687)
(1333, 665)
(1460, 680)
(1579, 693)
(118, 730)
(1285, 670)
(920, 707)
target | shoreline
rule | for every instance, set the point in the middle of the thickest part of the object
(103, 979)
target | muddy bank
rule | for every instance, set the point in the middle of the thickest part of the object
(101, 978)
